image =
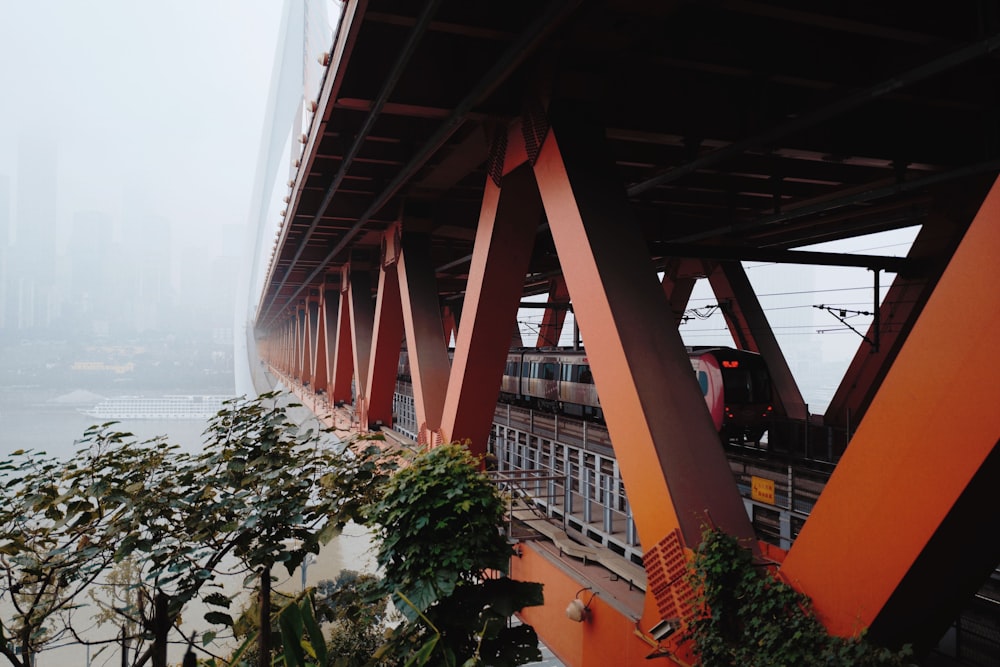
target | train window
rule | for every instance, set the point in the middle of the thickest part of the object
(532, 371)
(578, 373)
(761, 385)
(749, 383)
(567, 373)
(703, 381)
(737, 385)
(550, 371)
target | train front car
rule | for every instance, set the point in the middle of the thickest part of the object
(737, 389)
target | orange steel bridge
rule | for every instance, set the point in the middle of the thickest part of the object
(462, 155)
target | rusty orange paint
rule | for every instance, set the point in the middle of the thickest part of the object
(426, 346)
(295, 360)
(343, 367)
(554, 318)
(607, 637)
(321, 365)
(508, 220)
(327, 338)
(931, 426)
(293, 346)
(362, 321)
(387, 337)
(905, 298)
(312, 327)
(301, 344)
(665, 443)
(677, 287)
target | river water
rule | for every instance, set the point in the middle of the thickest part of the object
(50, 420)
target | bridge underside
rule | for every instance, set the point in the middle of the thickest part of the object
(464, 158)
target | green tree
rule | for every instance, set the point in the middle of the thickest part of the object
(270, 493)
(355, 608)
(61, 527)
(354, 618)
(442, 549)
(262, 492)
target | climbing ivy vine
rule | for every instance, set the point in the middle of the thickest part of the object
(750, 618)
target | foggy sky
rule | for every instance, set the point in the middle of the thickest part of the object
(155, 112)
(154, 108)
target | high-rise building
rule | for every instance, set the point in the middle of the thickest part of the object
(149, 300)
(33, 256)
(5, 316)
(92, 269)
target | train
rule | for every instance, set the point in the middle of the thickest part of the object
(735, 383)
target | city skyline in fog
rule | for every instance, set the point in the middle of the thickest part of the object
(129, 135)
(131, 144)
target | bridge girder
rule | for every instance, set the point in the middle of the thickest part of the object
(695, 155)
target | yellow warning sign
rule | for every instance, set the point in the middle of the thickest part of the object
(762, 489)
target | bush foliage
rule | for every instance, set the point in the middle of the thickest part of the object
(441, 546)
(750, 618)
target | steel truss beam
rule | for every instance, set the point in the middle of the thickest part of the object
(678, 284)
(312, 331)
(387, 337)
(525, 44)
(325, 339)
(902, 305)
(343, 366)
(555, 314)
(898, 541)
(809, 119)
(672, 462)
(749, 254)
(750, 329)
(426, 346)
(505, 235)
(362, 323)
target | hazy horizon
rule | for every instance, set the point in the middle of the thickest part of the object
(129, 135)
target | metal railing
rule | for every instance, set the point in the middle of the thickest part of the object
(575, 485)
